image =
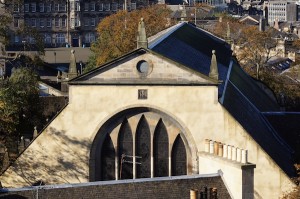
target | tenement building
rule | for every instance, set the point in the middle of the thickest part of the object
(179, 105)
(282, 11)
(62, 22)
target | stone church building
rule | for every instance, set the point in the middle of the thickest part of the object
(177, 105)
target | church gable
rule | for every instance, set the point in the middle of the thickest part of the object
(143, 67)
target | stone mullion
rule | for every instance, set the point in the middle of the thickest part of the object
(170, 158)
(117, 162)
(133, 155)
(151, 151)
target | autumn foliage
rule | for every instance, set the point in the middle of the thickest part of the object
(117, 33)
(253, 49)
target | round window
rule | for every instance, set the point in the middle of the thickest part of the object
(143, 67)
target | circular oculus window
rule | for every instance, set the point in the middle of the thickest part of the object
(143, 67)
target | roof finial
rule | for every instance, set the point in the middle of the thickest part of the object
(142, 41)
(213, 73)
(72, 67)
(228, 34)
(35, 132)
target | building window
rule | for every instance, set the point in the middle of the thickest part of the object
(93, 21)
(114, 6)
(16, 7)
(62, 7)
(77, 6)
(49, 22)
(101, 7)
(56, 22)
(133, 6)
(92, 6)
(47, 39)
(86, 6)
(16, 23)
(42, 7)
(33, 7)
(107, 7)
(89, 37)
(33, 22)
(60, 38)
(56, 7)
(86, 22)
(26, 7)
(63, 22)
(48, 7)
(42, 23)
(17, 39)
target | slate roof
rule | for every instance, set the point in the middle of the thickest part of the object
(245, 102)
(239, 93)
(288, 126)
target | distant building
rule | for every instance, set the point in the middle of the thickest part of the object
(282, 11)
(61, 23)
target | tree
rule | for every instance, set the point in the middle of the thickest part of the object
(5, 20)
(255, 49)
(235, 26)
(19, 104)
(117, 32)
(34, 41)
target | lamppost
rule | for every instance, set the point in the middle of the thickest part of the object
(80, 63)
(54, 57)
(24, 43)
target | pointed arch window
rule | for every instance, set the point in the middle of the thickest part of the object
(161, 150)
(179, 159)
(125, 148)
(108, 160)
(143, 149)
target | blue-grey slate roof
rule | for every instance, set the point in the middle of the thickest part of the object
(239, 93)
(243, 101)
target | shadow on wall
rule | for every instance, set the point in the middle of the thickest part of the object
(65, 159)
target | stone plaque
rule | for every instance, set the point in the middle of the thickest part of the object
(142, 94)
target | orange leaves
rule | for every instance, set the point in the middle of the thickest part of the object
(117, 32)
